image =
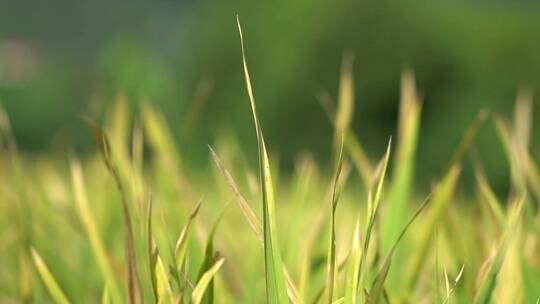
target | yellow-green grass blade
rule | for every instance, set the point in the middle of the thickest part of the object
(450, 290)
(353, 267)
(352, 144)
(331, 254)
(246, 209)
(377, 288)
(118, 123)
(442, 194)
(403, 172)
(276, 290)
(345, 105)
(90, 227)
(181, 247)
(202, 285)
(134, 286)
(489, 196)
(339, 301)
(159, 135)
(468, 138)
(488, 284)
(251, 217)
(158, 274)
(373, 207)
(48, 279)
(359, 157)
(517, 155)
(105, 297)
(209, 257)
(524, 173)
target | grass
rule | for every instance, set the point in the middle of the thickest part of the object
(121, 226)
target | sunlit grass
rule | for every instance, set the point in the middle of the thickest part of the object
(120, 226)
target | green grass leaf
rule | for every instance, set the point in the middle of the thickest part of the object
(134, 285)
(158, 274)
(353, 267)
(488, 284)
(48, 279)
(91, 229)
(251, 217)
(373, 207)
(331, 254)
(204, 281)
(403, 172)
(376, 291)
(181, 247)
(276, 291)
(209, 257)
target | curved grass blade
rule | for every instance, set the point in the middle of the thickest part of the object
(246, 209)
(373, 207)
(378, 284)
(134, 289)
(158, 275)
(180, 249)
(96, 243)
(209, 258)
(204, 281)
(331, 256)
(52, 286)
(276, 291)
(252, 219)
(442, 195)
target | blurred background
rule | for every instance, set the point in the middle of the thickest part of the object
(62, 58)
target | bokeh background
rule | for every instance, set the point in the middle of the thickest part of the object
(62, 58)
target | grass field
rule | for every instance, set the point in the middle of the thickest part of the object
(131, 223)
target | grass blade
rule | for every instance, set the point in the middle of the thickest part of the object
(134, 289)
(204, 281)
(378, 284)
(441, 197)
(331, 255)
(373, 207)
(276, 291)
(251, 218)
(52, 286)
(450, 290)
(487, 193)
(105, 297)
(487, 286)
(96, 243)
(402, 176)
(353, 267)
(158, 275)
(246, 209)
(345, 106)
(180, 249)
(209, 258)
